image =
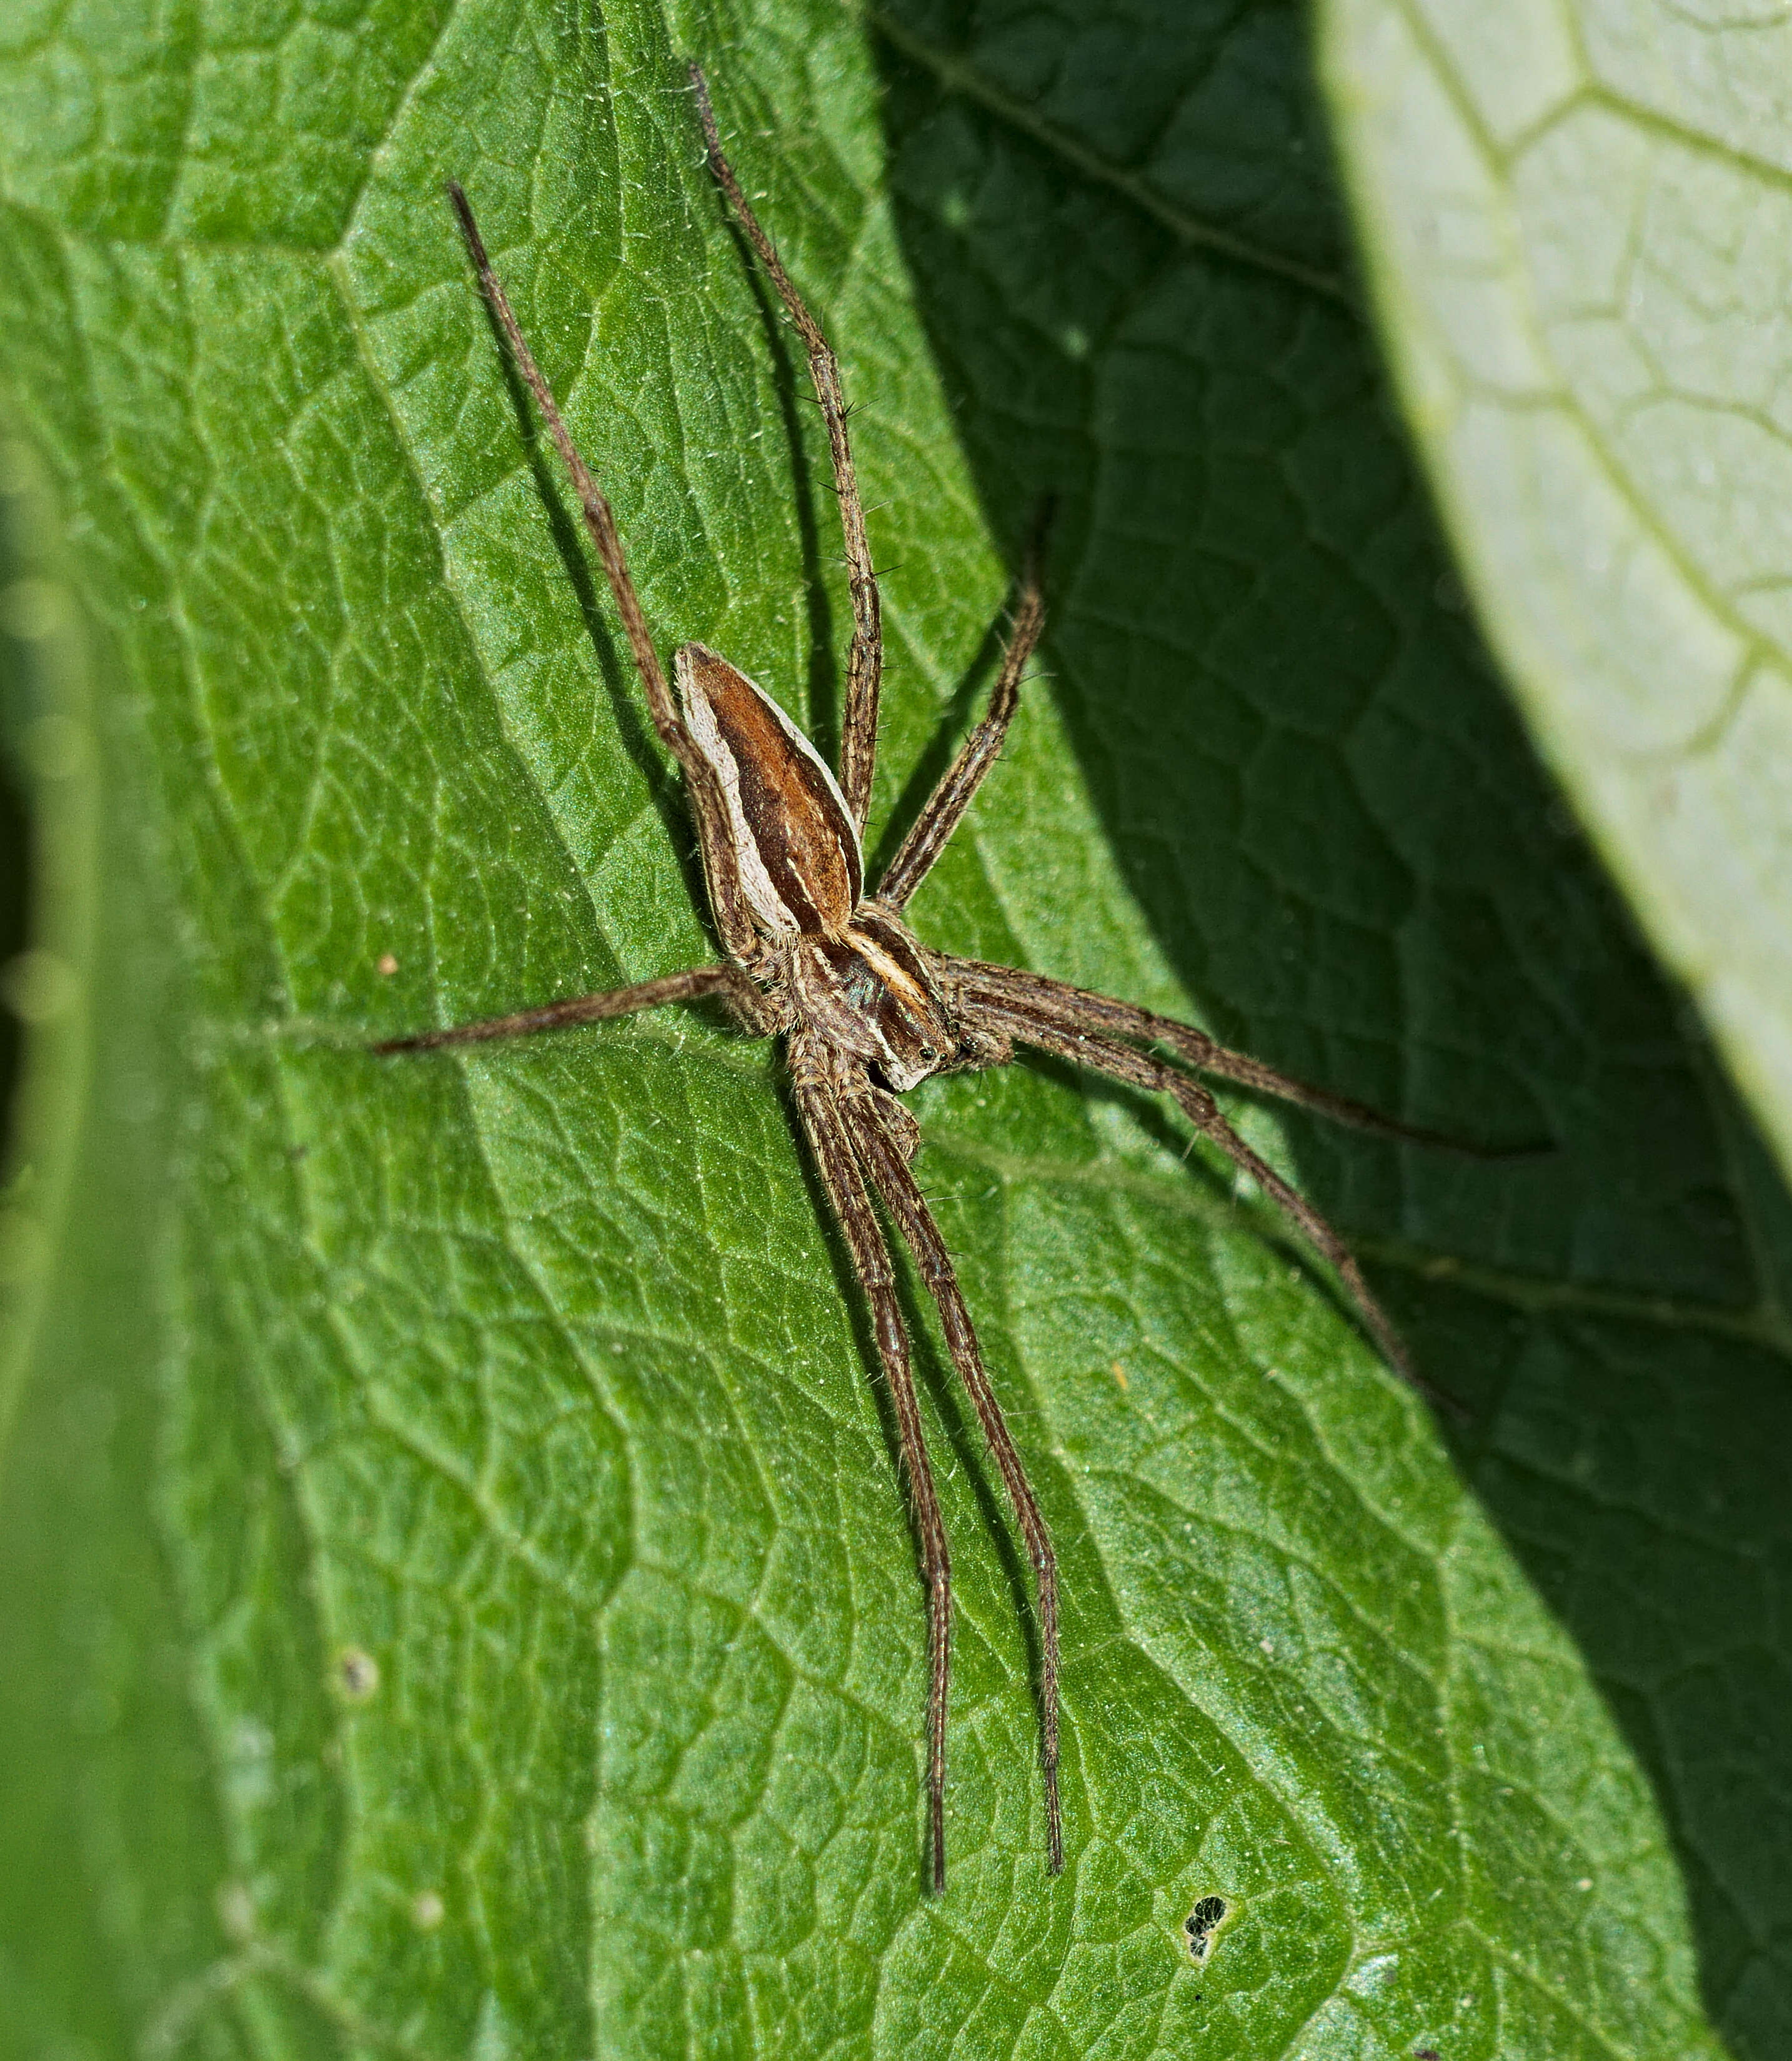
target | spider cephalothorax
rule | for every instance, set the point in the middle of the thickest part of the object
(865, 1008)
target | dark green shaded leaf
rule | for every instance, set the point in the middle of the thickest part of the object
(1576, 220)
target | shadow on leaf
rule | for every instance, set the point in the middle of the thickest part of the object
(1322, 802)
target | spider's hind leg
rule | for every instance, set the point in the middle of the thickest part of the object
(943, 808)
(864, 663)
(721, 870)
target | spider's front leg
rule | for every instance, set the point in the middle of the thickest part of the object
(885, 1148)
(817, 1082)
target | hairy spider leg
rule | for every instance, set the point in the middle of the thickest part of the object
(1088, 1012)
(860, 1137)
(721, 870)
(831, 1141)
(692, 986)
(990, 1010)
(865, 661)
(887, 1164)
(951, 797)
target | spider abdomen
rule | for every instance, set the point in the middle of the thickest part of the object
(855, 972)
(795, 843)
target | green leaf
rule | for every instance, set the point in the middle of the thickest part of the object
(1576, 220)
(453, 1570)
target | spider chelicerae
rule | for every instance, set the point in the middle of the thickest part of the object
(865, 1008)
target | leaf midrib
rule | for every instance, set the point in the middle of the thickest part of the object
(1763, 1325)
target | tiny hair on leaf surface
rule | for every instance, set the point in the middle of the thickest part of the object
(457, 1539)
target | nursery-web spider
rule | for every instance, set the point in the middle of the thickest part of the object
(865, 1008)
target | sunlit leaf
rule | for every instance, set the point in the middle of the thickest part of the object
(1577, 222)
(456, 1585)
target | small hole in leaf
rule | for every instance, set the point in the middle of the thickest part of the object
(1200, 1924)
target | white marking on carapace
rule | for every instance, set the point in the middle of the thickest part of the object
(890, 970)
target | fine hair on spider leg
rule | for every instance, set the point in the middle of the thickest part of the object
(866, 1011)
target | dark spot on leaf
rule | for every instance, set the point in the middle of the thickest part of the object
(1201, 1923)
(356, 1675)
